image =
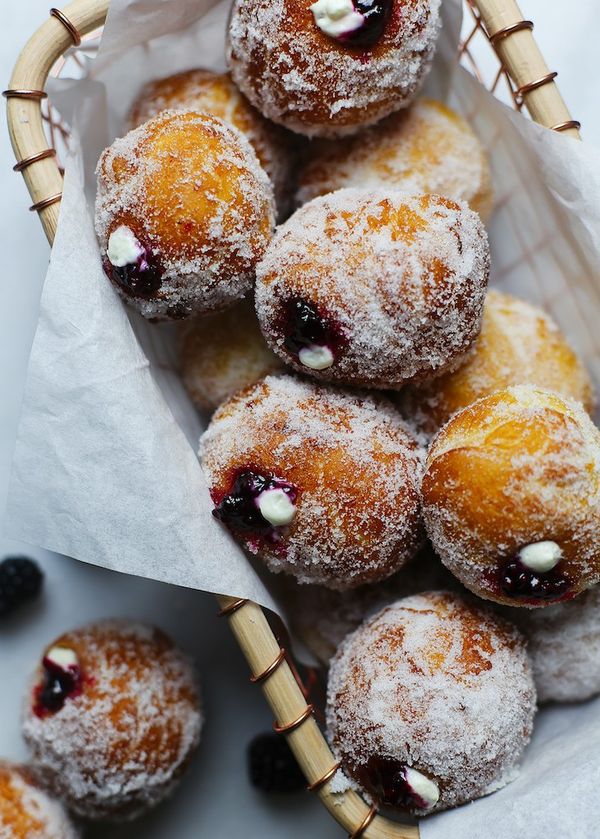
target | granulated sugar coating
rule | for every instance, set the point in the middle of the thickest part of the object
(519, 344)
(322, 617)
(516, 469)
(298, 76)
(427, 148)
(564, 647)
(397, 281)
(348, 465)
(435, 688)
(26, 812)
(191, 212)
(223, 353)
(121, 741)
(216, 94)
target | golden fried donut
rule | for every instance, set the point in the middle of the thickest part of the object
(328, 67)
(511, 497)
(563, 643)
(184, 211)
(216, 94)
(431, 703)
(113, 718)
(319, 483)
(323, 617)
(374, 288)
(519, 344)
(26, 812)
(426, 148)
(223, 353)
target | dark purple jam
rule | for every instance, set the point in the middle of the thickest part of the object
(522, 583)
(305, 326)
(141, 278)
(59, 684)
(385, 778)
(239, 508)
(376, 14)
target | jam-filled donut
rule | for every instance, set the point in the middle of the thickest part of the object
(564, 648)
(223, 353)
(511, 497)
(26, 811)
(322, 617)
(374, 288)
(216, 94)
(519, 344)
(431, 702)
(184, 212)
(427, 148)
(319, 483)
(113, 718)
(327, 68)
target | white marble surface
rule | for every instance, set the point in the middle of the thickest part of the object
(215, 799)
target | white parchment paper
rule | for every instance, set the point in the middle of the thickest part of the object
(105, 467)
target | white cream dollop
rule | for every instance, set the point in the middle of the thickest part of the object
(62, 657)
(541, 556)
(316, 358)
(423, 787)
(123, 247)
(336, 17)
(276, 507)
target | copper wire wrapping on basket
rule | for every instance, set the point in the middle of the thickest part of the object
(70, 27)
(34, 158)
(527, 88)
(45, 202)
(564, 126)
(233, 607)
(290, 726)
(503, 33)
(24, 93)
(364, 824)
(316, 785)
(268, 671)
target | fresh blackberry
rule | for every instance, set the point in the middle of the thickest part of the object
(272, 766)
(20, 580)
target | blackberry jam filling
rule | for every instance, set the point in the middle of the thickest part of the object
(142, 278)
(396, 785)
(376, 14)
(257, 504)
(521, 582)
(62, 680)
(310, 336)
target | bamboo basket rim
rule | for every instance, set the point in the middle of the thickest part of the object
(533, 85)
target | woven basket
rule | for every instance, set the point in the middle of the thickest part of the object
(531, 85)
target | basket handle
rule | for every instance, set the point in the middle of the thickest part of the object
(516, 47)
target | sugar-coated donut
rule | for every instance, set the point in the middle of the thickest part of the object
(564, 647)
(511, 497)
(322, 617)
(216, 94)
(113, 718)
(320, 483)
(326, 68)
(431, 703)
(183, 213)
(26, 811)
(426, 148)
(374, 288)
(519, 344)
(223, 353)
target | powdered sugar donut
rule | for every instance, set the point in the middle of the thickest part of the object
(511, 497)
(519, 344)
(26, 812)
(374, 288)
(223, 353)
(427, 148)
(322, 617)
(319, 483)
(431, 703)
(326, 68)
(183, 213)
(216, 94)
(564, 647)
(113, 718)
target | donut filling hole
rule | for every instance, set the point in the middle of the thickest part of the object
(397, 785)
(310, 336)
(257, 504)
(354, 23)
(62, 680)
(132, 265)
(532, 574)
